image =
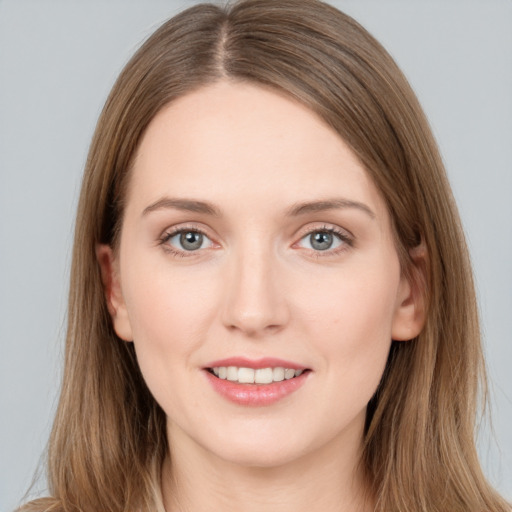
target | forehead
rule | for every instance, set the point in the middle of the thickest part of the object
(237, 141)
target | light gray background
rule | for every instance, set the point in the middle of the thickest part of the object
(58, 60)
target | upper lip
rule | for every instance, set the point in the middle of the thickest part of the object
(264, 362)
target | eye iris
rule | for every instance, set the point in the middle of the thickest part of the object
(191, 240)
(321, 240)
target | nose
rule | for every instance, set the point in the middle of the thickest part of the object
(254, 298)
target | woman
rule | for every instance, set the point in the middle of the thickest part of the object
(271, 303)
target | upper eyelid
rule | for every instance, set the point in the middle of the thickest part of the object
(304, 230)
(299, 235)
(173, 230)
(343, 232)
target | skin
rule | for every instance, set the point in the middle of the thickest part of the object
(257, 288)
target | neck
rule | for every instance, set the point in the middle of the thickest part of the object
(330, 481)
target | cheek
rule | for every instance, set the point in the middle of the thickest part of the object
(165, 305)
(349, 320)
(358, 298)
(170, 314)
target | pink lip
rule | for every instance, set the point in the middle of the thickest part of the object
(255, 395)
(265, 362)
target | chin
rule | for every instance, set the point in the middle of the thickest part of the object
(263, 448)
(259, 456)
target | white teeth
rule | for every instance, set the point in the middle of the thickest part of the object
(246, 375)
(289, 374)
(263, 376)
(259, 376)
(278, 374)
(232, 373)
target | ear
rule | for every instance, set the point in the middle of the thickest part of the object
(113, 293)
(410, 310)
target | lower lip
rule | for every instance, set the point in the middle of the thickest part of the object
(256, 395)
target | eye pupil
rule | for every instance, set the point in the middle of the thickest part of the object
(321, 240)
(191, 240)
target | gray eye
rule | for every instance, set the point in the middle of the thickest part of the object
(191, 240)
(321, 240)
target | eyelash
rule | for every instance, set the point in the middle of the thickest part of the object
(347, 240)
(167, 235)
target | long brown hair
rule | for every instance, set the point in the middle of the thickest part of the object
(108, 441)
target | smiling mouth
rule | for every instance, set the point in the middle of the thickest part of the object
(243, 375)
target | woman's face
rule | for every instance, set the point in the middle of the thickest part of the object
(254, 245)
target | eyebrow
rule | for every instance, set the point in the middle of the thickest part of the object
(328, 204)
(188, 205)
(193, 205)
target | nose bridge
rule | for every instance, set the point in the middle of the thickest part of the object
(254, 300)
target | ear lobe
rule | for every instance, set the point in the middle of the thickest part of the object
(410, 311)
(113, 293)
